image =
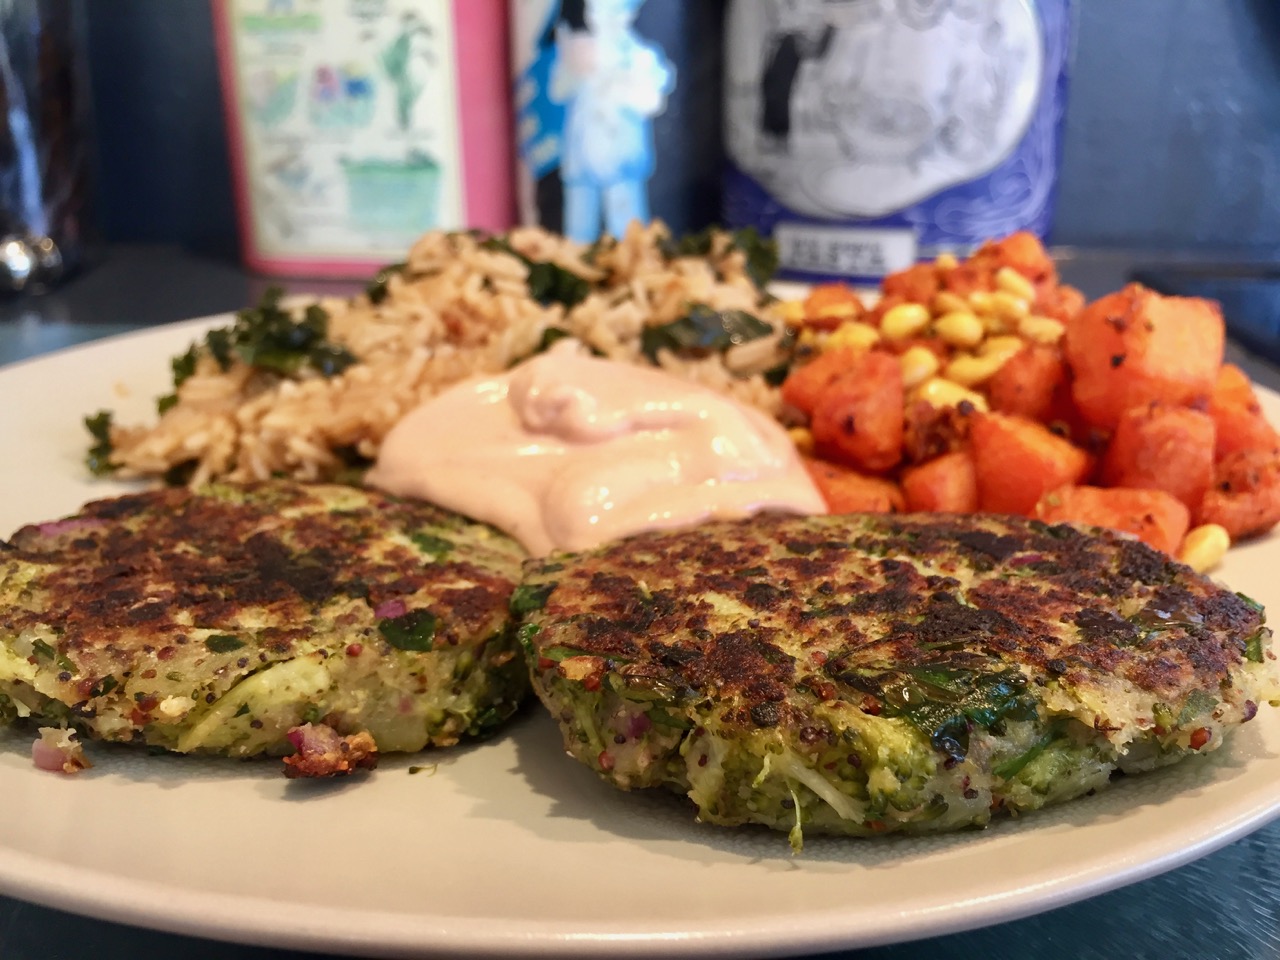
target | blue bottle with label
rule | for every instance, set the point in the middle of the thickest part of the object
(864, 135)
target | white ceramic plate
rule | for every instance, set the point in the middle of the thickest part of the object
(508, 847)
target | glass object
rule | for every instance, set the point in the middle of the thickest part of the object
(44, 143)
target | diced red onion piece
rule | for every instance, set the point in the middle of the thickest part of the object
(638, 724)
(46, 756)
(59, 751)
(311, 738)
(390, 609)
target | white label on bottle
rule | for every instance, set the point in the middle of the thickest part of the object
(861, 109)
(845, 251)
(348, 122)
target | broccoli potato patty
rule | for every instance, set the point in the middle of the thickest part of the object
(863, 674)
(217, 620)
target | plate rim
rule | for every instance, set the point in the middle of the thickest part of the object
(257, 921)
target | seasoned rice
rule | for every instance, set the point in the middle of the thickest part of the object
(458, 308)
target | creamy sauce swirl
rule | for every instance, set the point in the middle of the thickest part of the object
(568, 451)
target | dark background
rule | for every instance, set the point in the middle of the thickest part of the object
(1172, 133)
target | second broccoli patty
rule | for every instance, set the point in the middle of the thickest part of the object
(868, 674)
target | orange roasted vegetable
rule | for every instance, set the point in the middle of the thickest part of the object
(1131, 420)
(1135, 346)
(1030, 383)
(1245, 495)
(1153, 516)
(947, 484)
(831, 304)
(1059, 301)
(805, 384)
(1235, 410)
(848, 491)
(1021, 251)
(918, 283)
(932, 431)
(1159, 447)
(858, 419)
(1024, 252)
(1017, 461)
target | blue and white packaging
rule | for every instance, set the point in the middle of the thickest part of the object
(865, 135)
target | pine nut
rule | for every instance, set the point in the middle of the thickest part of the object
(994, 324)
(802, 437)
(969, 371)
(1008, 306)
(1002, 346)
(918, 365)
(904, 320)
(938, 392)
(1011, 281)
(960, 329)
(948, 302)
(852, 333)
(1042, 329)
(980, 302)
(1204, 547)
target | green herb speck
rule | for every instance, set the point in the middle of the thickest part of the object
(223, 643)
(104, 686)
(414, 631)
(530, 596)
(98, 459)
(702, 331)
(436, 547)
(1253, 646)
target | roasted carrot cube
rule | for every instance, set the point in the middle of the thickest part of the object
(1159, 447)
(831, 304)
(858, 419)
(1029, 383)
(1235, 410)
(917, 283)
(847, 491)
(1059, 301)
(1153, 516)
(1135, 346)
(1245, 495)
(804, 384)
(946, 484)
(1021, 251)
(932, 431)
(1024, 252)
(1017, 461)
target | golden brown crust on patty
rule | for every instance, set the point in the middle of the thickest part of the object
(841, 604)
